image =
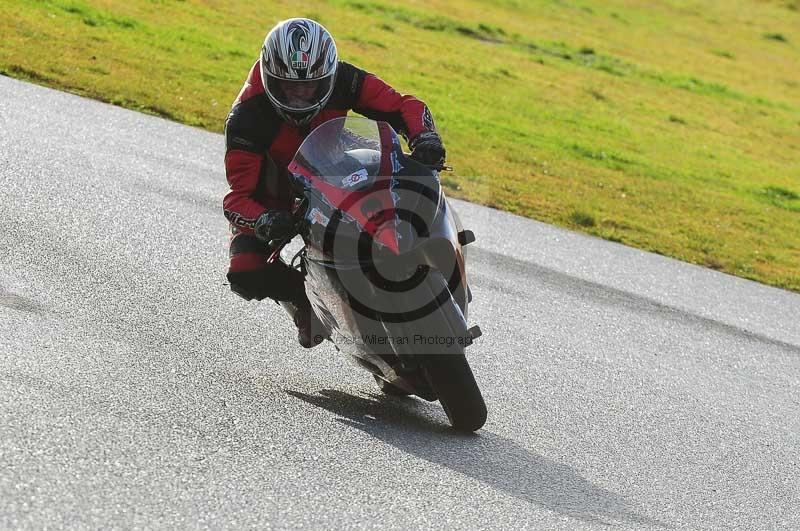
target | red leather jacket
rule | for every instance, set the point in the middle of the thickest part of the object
(254, 131)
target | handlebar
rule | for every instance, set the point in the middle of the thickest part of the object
(437, 167)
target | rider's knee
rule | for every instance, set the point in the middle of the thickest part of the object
(249, 263)
(252, 276)
(249, 284)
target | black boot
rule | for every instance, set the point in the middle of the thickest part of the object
(310, 331)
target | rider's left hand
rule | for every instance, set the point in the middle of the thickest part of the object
(427, 148)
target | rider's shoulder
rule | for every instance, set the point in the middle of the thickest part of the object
(349, 79)
(253, 87)
(252, 117)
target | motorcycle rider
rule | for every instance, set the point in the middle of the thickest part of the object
(297, 84)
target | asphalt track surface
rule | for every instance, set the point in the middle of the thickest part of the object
(624, 388)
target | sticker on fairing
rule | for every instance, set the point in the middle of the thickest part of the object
(318, 217)
(354, 178)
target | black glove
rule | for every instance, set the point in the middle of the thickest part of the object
(427, 148)
(274, 225)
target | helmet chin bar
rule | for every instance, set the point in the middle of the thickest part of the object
(298, 118)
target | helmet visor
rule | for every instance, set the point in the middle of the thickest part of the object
(299, 94)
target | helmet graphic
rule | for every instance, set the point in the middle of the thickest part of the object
(298, 68)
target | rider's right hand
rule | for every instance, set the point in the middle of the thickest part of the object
(274, 225)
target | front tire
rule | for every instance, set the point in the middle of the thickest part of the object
(442, 362)
(452, 380)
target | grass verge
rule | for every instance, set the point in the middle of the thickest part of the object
(673, 126)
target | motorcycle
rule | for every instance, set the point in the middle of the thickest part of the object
(384, 264)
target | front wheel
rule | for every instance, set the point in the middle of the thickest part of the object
(451, 379)
(443, 364)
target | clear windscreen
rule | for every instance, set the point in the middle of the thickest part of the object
(345, 152)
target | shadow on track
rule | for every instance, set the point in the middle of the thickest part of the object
(492, 459)
(16, 302)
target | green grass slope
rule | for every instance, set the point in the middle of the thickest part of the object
(670, 125)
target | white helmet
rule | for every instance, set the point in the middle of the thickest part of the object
(298, 68)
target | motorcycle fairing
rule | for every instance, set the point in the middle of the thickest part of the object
(393, 212)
